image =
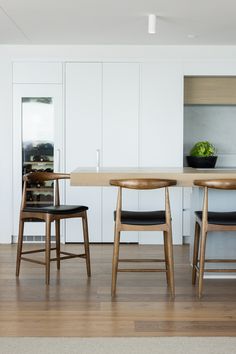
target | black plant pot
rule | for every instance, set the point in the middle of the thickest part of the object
(201, 162)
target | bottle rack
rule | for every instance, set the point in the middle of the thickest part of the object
(39, 158)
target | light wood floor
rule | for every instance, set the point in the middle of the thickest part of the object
(74, 306)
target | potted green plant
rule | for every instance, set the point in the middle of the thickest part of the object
(202, 155)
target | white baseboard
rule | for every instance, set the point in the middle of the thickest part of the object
(32, 239)
(220, 276)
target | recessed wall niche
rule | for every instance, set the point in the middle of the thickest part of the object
(212, 122)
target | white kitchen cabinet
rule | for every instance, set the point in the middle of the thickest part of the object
(83, 126)
(187, 195)
(120, 114)
(120, 135)
(161, 135)
(124, 110)
(161, 116)
(83, 113)
(37, 73)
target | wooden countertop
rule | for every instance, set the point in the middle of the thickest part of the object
(89, 176)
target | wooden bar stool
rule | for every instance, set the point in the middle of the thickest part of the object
(210, 221)
(143, 221)
(48, 214)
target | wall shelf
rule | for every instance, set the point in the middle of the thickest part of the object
(207, 90)
(49, 189)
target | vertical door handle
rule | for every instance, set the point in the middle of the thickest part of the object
(98, 159)
(58, 160)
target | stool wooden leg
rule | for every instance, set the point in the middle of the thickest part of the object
(202, 261)
(47, 250)
(115, 261)
(58, 242)
(86, 243)
(195, 252)
(19, 246)
(166, 256)
(170, 262)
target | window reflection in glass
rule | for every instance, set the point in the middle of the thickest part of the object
(37, 146)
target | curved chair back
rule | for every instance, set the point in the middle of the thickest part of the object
(162, 223)
(142, 183)
(229, 184)
(43, 177)
(205, 222)
(224, 184)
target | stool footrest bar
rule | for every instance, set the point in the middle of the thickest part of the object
(36, 251)
(217, 270)
(83, 255)
(32, 260)
(142, 270)
(220, 260)
(141, 260)
(68, 257)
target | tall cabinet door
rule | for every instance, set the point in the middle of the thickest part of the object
(161, 121)
(83, 138)
(37, 145)
(161, 135)
(120, 137)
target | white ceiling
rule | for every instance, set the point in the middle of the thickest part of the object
(117, 22)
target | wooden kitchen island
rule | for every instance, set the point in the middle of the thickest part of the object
(219, 244)
(90, 176)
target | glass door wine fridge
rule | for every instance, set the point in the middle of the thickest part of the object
(38, 140)
(38, 147)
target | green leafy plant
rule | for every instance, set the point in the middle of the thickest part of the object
(203, 149)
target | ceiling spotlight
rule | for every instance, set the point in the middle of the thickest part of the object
(191, 36)
(152, 22)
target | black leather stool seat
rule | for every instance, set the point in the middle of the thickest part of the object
(219, 218)
(142, 217)
(61, 209)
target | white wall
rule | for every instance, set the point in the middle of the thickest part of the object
(194, 60)
(6, 222)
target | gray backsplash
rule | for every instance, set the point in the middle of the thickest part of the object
(216, 124)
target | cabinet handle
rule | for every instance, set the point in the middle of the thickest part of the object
(98, 159)
(58, 158)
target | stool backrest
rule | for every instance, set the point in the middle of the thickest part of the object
(229, 184)
(143, 184)
(43, 177)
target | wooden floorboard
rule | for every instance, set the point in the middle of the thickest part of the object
(76, 306)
